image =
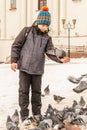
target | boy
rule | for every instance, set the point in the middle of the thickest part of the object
(29, 58)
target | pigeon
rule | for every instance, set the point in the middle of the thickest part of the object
(82, 102)
(56, 127)
(78, 121)
(83, 117)
(74, 80)
(81, 86)
(43, 126)
(54, 119)
(76, 107)
(15, 117)
(10, 125)
(58, 99)
(47, 121)
(84, 75)
(47, 90)
(83, 111)
(49, 111)
(74, 103)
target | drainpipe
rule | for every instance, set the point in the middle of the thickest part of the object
(23, 13)
(3, 19)
(26, 11)
(58, 17)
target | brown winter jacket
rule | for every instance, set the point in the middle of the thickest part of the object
(30, 55)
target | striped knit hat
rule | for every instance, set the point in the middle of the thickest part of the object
(44, 17)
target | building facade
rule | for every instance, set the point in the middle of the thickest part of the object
(15, 14)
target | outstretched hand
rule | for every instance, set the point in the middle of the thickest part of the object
(65, 59)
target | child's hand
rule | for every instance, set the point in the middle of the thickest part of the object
(65, 59)
(14, 66)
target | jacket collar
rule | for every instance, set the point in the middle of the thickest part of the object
(38, 31)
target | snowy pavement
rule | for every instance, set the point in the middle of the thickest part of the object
(55, 75)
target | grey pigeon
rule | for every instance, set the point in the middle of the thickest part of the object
(58, 99)
(47, 90)
(84, 111)
(56, 127)
(83, 117)
(54, 119)
(82, 102)
(49, 111)
(84, 75)
(74, 103)
(15, 117)
(74, 79)
(60, 53)
(46, 123)
(76, 106)
(82, 85)
(10, 125)
(78, 121)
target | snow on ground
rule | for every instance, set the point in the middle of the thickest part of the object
(55, 75)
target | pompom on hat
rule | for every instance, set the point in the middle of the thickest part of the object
(44, 17)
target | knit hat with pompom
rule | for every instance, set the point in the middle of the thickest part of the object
(44, 17)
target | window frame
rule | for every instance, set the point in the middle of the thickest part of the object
(13, 4)
(43, 3)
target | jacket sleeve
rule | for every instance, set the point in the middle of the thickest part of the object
(50, 51)
(17, 45)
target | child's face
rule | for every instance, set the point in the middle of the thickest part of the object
(43, 27)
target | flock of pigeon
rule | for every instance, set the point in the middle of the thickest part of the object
(70, 118)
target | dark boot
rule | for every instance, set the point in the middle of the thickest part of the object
(37, 118)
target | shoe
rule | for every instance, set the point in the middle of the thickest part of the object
(26, 122)
(37, 118)
(81, 87)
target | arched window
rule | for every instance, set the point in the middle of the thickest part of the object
(41, 3)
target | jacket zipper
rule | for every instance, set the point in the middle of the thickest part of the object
(41, 43)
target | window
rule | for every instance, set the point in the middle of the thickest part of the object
(12, 4)
(41, 3)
